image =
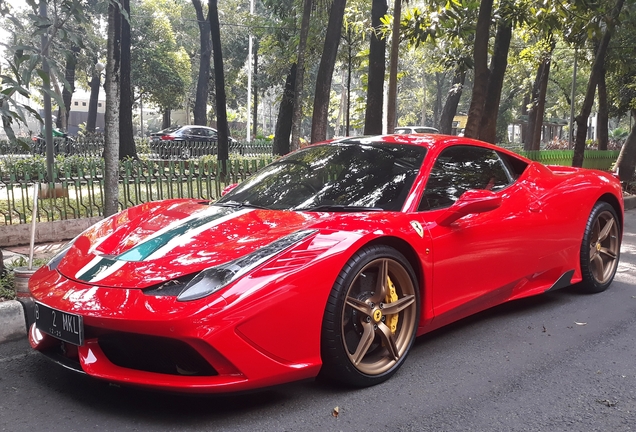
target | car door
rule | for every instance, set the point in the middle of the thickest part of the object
(480, 259)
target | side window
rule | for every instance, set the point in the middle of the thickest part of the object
(458, 169)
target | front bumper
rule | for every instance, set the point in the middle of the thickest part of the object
(210, 345)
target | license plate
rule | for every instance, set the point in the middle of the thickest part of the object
(62, 325)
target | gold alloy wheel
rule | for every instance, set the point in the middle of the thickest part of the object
(604, 247)
(371, 309)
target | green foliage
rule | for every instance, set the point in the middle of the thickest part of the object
(7, 291)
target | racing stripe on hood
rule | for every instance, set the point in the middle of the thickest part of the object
(160, 243)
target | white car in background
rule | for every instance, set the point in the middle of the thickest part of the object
(415, 129)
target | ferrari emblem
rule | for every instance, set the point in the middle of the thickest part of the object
(418, 228)
(377, 315)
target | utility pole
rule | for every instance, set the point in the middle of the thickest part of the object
(249, 79)
(48, 120)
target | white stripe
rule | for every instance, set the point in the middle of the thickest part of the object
(108, 271)
(88, 266)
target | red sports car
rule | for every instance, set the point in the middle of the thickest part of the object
(329, 261)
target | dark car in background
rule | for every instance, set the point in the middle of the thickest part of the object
(187, 141)
(156, 136)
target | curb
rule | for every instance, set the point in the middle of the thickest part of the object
(12, 321)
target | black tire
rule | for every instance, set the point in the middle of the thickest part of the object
(361, 344)
(600, 249)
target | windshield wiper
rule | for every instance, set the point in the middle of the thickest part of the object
(236, 204)
(339, 208)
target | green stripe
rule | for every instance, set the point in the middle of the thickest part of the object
(148, 247)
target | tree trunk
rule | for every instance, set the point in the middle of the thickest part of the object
(452, 100)
(424, 101)
(165, 119)
(349, 72)
(595, 74)
(437, 112)
(219, 85)
(528, 136)
(111, 140)
(391, 114)
(535, 143)
(67, 94)
(320, 116)
(285, 112)
(480, 58)
(499, 63)
(255, 92)
(92, 103)
(602, 123)
(626, 162)
(201, 101)
(300, 75)
(126, 137)
(375, 82)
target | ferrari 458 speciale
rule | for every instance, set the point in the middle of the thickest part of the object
(327, 262)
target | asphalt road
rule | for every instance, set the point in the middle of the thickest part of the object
(557, 362)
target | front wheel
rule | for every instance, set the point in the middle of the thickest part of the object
(600, 249)
(371, 318)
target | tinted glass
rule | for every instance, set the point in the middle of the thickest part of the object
(345, 174)
(458, 169)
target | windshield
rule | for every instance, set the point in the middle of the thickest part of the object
(344, 176)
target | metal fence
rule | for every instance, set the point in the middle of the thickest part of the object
(595, 159)
(78, 191)
(78, 188)
(93, 145)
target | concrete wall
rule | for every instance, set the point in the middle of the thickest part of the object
(45, 232)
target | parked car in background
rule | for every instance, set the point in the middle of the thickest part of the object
(415, 129)
(156, 136)
(187, 141)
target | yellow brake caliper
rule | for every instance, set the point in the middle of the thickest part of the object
(391, 296)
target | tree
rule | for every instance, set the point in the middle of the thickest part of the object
(219, 83)
(285, 112)
(597, 67)
(112, 85)
(300, 74)
(375, 84)
(127, 147)
(201, 100)
(325, 72)
(391, 115)
(160, 68)
(482, 73)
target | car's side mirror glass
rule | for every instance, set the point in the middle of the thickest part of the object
(471, 202)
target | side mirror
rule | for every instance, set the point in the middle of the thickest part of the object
(471, 202)
(228, 189)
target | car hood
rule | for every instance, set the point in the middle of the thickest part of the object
(145, 246)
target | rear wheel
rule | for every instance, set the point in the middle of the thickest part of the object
(600, 249)
(371, 318)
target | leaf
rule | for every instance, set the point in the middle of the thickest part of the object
(335, 412)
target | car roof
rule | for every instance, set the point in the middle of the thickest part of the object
(432, 142)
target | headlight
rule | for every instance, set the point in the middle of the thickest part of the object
(213, 279)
